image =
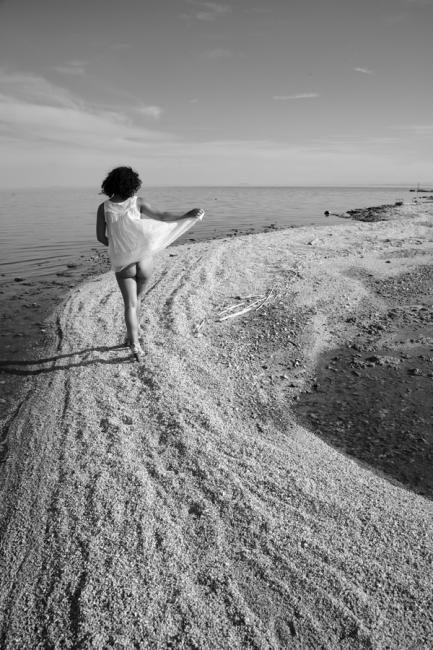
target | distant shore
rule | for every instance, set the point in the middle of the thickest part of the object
(189, 499)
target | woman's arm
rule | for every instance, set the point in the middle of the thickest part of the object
(101, 226)
(146, 209)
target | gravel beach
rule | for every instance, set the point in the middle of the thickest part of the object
(191, 501)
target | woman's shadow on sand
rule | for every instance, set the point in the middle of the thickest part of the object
(37, 366)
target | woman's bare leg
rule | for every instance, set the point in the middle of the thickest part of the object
(144, 275)
(126, 279)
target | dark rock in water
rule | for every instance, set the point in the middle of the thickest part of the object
(342, 215)
(72, 265)
(372, 213)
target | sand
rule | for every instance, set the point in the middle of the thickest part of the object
(178, 503)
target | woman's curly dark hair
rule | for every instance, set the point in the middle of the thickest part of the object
(123, 181)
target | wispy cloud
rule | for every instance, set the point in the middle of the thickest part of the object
(425, 130)
(71, 67)
(350, 142)
(210, 10)
(32, 88)
(283, 98)
(218, 53)
(35, 110)
(150, 111)
(364, 70)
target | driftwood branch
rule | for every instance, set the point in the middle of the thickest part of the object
(265, 300)
(256, 304)
(198, 326)
(238, 304)
(238, 313)
(228, 312)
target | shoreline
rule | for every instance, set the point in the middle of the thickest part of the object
(222, 519)
(32, 301)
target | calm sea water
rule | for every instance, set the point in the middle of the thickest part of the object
(43, 230)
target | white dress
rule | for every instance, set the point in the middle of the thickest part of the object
(133, 236)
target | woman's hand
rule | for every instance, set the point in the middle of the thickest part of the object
(195, 213)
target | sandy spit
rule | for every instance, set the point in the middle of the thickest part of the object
(177, 503)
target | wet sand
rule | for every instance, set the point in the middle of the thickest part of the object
(26, 302)
(372, 397)
(183, 502)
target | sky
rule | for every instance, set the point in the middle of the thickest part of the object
(191, 92)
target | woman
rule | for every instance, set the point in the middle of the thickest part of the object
(127, 225)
